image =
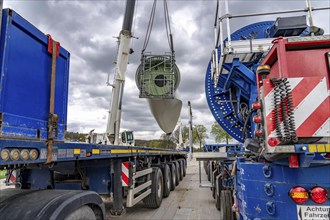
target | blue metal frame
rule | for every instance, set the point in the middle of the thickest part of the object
(241, 78)
(216, 147)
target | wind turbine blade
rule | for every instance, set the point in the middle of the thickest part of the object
(166, 112)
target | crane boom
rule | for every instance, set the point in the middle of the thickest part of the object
(113, 125)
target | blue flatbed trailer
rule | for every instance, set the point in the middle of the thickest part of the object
(82, 169)
(55, 179)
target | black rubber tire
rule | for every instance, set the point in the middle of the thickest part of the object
(223, 207)
(173, 175)
(217, 198)
(185, 166)
(230, 203)
(181, 169)
(154, 200)
(177, 173)
(167, 181)
(82, 213)
(226, 205)
(183, 161)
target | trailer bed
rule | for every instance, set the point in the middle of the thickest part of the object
(64, 151)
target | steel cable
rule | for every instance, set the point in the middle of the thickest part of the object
(150, 25)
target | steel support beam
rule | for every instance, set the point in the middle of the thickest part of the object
(117, 208)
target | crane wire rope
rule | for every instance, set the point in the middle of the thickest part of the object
(168, 27)
(151, 23)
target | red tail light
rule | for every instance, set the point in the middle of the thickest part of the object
(258, 133)
(257, 119)
(256, 105)
(273, 142)
(299, 194)
(319, 195)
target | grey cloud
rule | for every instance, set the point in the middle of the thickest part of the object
(85, 28)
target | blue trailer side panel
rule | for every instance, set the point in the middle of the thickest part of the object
(25, 66)
(262, 190)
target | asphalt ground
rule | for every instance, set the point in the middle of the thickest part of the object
(187, 201)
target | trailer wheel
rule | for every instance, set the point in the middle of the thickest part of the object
(157, 186)
(184, 162)
(82, 213)
(181, 169)
(51, 204)
(226, 205)
(214, 183)
(173, 176)
(217, 199)
(167, 181)
(218, 189)
(177, 173)
(223, 207)
(230, 203)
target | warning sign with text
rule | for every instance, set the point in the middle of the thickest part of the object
(313, 212)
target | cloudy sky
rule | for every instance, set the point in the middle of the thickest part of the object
(87, 29)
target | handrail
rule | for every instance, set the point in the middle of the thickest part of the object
(271, 13)
(218, 61)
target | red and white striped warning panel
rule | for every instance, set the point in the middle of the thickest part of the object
(309, 98)
(12, 177)
(125, 173)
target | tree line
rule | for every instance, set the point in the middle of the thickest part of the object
(199, 135)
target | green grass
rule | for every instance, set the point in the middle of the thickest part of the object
(2, 174)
